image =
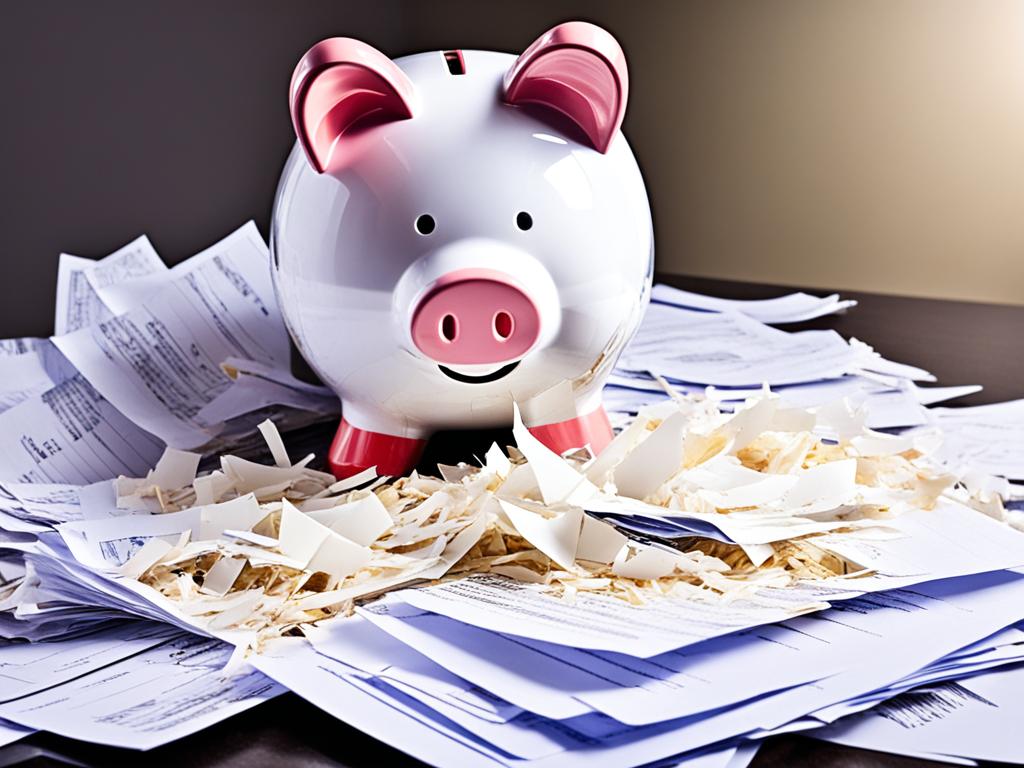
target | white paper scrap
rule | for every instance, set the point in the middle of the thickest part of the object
(557, 536)
(145, 558)
(641, 562)
(274, 442)
(316, 546)
(363, 520)
(558, 481)
(599, 542)
(238, 514)
(222, 575)
(654, 460)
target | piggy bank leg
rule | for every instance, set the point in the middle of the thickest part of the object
(592, 429)
(355, 449)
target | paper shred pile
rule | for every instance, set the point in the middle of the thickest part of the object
(279, 547)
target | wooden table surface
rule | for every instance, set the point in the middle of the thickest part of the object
(960, 342)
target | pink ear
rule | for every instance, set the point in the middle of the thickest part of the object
(579, 70)
(341, 82)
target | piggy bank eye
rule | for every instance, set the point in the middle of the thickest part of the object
(524, 220)
(425, 224)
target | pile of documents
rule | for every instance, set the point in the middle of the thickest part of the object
(732, 566)
(727, 350)
(147, 356)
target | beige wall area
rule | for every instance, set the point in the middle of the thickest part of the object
(859, 144)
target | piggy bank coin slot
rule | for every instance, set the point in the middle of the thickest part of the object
(456, 64)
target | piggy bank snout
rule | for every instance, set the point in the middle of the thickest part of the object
(475, 317)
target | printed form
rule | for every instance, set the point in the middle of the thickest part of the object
(382, 710)
(160, 363)
(71, 434)
(78, 303)
(28, 668)
(733, 350)
(563, 682)
(156, 696)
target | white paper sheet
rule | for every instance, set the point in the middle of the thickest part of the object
(417, 676)
(152, 698)
(791, 308)
(556, 680)
(489, 661)
(44, 502)
(361, 644)
(976, 718)
(27, 668)
(596, 622)
(948, 541)
(982, 603)
(98, 500)
(654, 460)
(557, 537)
(159, 363)
(339, 690)
(238, 514)
(316, 546)
(363, 520)
(984, 438)
(25, 375)
(71, 434)
(20, 346)
(12, 732)
(943, 670)
(106, 544)
(328, 684)
(730, 349)
(78, 303)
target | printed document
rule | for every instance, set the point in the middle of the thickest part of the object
(160, 363)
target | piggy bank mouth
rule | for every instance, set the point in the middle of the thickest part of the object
(483, 378)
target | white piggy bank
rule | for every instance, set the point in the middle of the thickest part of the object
(456, 231)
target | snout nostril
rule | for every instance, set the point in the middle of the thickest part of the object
(449, 328)
(503, 326)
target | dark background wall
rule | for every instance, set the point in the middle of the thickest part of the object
(128, 117)
(875, 144)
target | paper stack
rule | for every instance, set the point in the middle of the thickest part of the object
(147, 356)
(989, 439)
(729, 568)
(726, 349)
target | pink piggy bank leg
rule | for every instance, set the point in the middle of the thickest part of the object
(593, 429)
(354, 449)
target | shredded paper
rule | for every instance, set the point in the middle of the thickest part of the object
(275, 549)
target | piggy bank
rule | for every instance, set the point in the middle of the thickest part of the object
(458, 231)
